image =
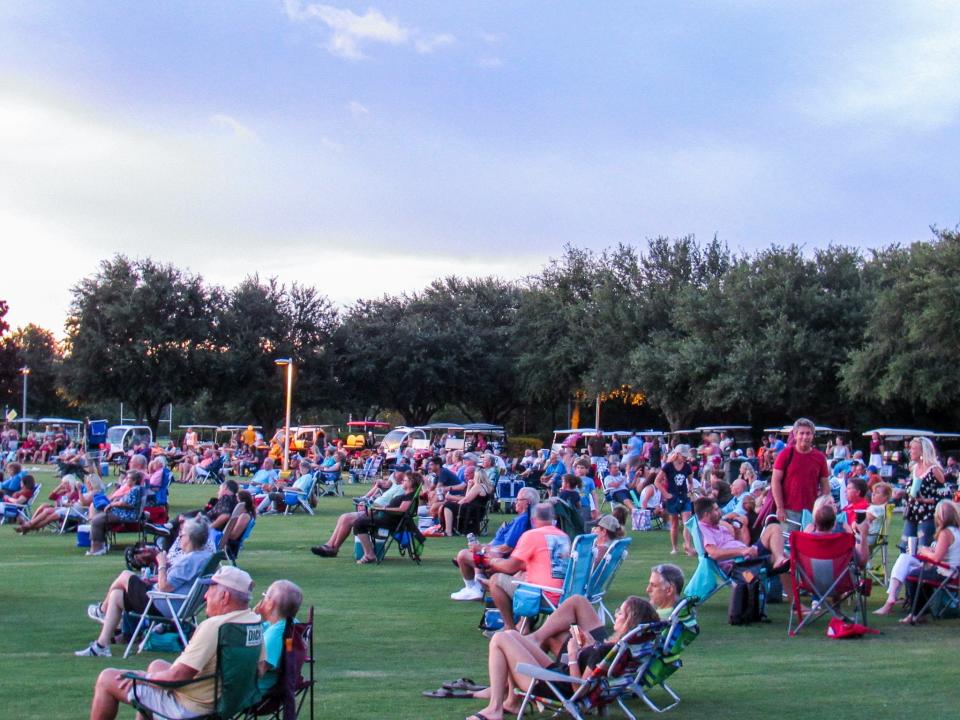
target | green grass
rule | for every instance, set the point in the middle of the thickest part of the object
(384, 633)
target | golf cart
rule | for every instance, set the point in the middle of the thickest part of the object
(477, 434)
(123, 438)
(895, 460)
(364, 434)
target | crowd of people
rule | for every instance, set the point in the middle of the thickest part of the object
(745, 503)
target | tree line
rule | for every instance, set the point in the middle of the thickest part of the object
(677, 333)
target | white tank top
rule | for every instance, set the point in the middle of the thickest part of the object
(953, 554)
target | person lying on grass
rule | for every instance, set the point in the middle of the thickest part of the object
(584, 651)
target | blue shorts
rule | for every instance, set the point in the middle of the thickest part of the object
(677, 505)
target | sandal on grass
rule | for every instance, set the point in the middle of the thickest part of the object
(463, 684)
(366, 561)
(447, 694)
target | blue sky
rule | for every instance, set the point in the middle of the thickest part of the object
(369, 147)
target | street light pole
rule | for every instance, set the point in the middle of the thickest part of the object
(288, 364)
(25, 371)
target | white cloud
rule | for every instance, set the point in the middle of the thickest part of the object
(427, 44)
(348, 31)
(357, 109)
(492, 38)
(906, 76)
(236, 127)
(490, 62)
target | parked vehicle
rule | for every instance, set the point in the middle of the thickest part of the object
(122, 438)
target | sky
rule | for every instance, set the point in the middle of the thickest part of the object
(368, 148)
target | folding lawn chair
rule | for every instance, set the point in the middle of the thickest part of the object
(213, 473)
(299, 497)
(231, 549)
(824, 565)
(938, 595)
(603, 574)
(287, 698)
(184, 615)
(129, 526)
(331, 484)
(575, 579)
(235, 680)
(12, 511)
(370, 470)
(406, 534)
(640, 661)
(878, 566)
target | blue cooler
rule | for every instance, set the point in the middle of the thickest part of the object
(83, 536)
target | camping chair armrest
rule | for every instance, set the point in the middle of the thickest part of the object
(933, 563)
(656, 626)
(161, 595)
(540, 673)
(172, 684)
(541, 588)
(294, 491)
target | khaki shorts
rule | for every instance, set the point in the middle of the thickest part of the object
(507, 583)
(161, 702)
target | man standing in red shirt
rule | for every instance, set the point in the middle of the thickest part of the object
(799, 474)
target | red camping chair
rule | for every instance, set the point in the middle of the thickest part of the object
(824, 566)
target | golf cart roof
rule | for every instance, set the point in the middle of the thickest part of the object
(59, 421)
(690, 431)
(571, 431)
(201, 427)
(946, 435)
(239, 427)
(723, 428)
(441, 426)
(482, 427)
(627, 433)
(368, 423)
(900, 433)
(817, 430)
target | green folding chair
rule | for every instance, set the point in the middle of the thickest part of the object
(235, 681)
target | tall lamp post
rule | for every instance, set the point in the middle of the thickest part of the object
(288, 364)
(25, 371)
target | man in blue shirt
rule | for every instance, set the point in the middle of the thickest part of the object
(502, 545)
(280, 602)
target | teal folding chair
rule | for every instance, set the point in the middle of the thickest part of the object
(575, 579)
(603, 574)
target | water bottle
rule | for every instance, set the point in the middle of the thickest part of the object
(471, 540)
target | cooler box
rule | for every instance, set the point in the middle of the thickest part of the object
(83, 536)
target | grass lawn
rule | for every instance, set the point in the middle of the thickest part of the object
(384, 633)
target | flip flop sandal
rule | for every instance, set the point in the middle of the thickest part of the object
(366, 561)
(446, 694)
(463, 684)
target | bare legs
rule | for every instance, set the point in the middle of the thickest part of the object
(675, 526)
(111, 689)
(575, 610)
(507, 649)
(342, 530)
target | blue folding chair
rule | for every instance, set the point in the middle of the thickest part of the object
(294, 497)
(602, 576)
(575, 579)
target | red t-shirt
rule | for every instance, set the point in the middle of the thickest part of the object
(544, 552)
(851, 510)
(801, 483)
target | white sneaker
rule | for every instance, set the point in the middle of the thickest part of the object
(468, 593)
(101, 551)
(95, 613)
(93, 650)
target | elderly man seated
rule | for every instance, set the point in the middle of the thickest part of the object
(501, 546)
(721, 543)
(540, 558)
(347, 521)
(228, 599)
